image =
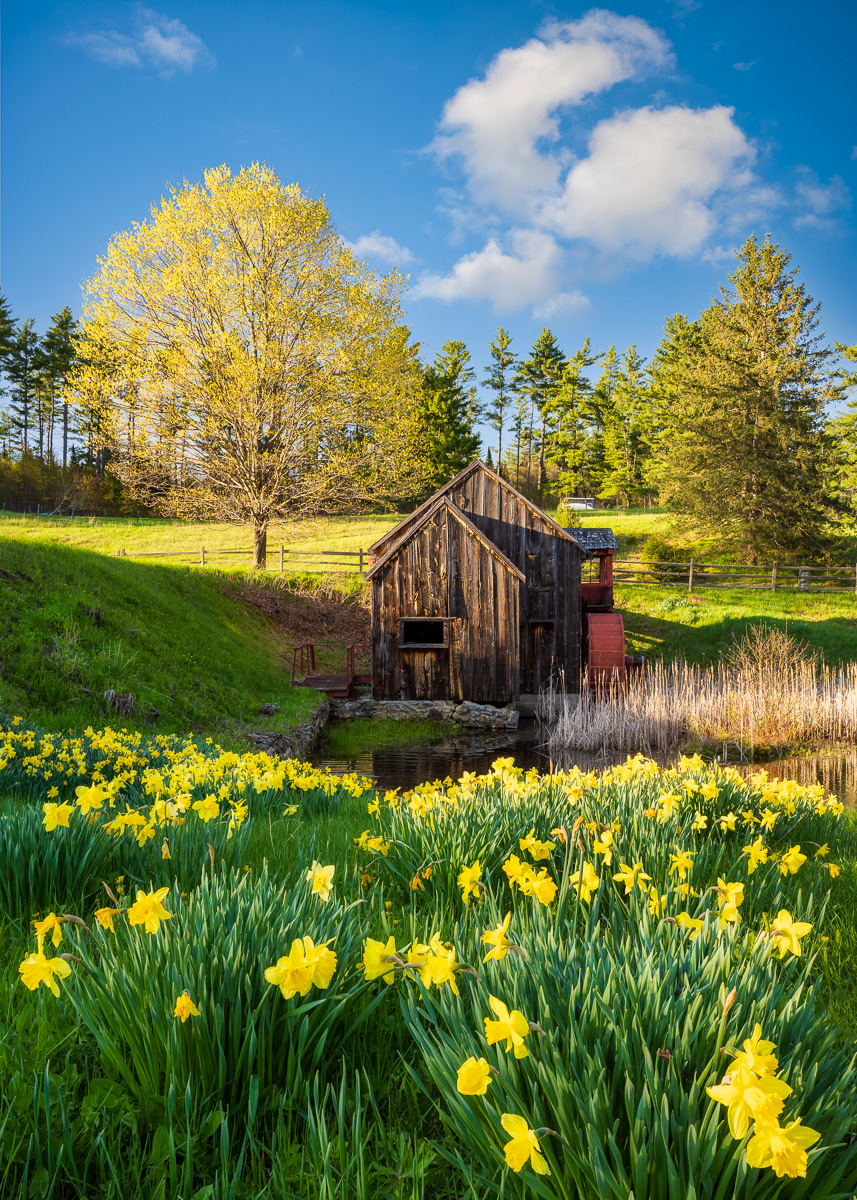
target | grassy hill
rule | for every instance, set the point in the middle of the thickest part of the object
(74, 623)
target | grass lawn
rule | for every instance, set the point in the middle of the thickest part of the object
(665, 623)
(75, 623)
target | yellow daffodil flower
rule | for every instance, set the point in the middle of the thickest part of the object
(185, 1007)
(783, 1149)
(474, 1075)
(748, 1097)
(376, 959)
(792, 861)
(36, 969)
(585, 881)
(524, 1146)
(104, 917)
(756, 1055)
(631, 875)
(468, 881)
(681, 863)
(787, 933)
(322, 880)
(148, 910)
(511, 1027)
(56, 815)
(50, 923)
(498, 940)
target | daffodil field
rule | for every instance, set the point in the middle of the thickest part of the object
(228, 975)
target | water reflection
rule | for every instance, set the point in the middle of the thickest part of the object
(406, 766)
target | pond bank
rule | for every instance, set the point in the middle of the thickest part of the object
(392, 763)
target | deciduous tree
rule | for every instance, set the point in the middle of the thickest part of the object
(255, 369)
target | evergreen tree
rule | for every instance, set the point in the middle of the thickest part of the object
(498, 377)
(8, 330)
(624, 431)
(60, 348)
(572, 443)
(444, 414)
(539, 378)
(22, 367)
(741, 445)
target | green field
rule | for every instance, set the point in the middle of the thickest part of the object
(74, 623)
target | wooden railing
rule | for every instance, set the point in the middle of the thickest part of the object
(689, 575)
(775, 577)
(314, 560)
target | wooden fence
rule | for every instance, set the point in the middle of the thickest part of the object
(314, 560)
(773, 578)
(689, 575)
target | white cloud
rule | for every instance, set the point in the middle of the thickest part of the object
(744, 66)
(158, 41)
(529, 275)
(381, 246)
(646, 186)
(819, 201)
(496, 123)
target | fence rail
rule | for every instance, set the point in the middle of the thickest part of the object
(690, 575)
(324, 560)
(776, 577)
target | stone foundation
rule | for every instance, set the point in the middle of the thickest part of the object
(299, 741)
(467, 714)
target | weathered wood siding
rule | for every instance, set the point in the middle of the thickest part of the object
(444, 570)
(550, 617)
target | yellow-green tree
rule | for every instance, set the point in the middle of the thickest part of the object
(255, 369)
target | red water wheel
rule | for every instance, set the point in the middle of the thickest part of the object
(605, 650)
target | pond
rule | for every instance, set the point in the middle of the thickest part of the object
(405, 766)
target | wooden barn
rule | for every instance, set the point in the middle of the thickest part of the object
(476, 595)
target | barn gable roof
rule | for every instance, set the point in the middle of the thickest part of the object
(476, 465)
(439, 502)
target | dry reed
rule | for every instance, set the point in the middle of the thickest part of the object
(769, 693)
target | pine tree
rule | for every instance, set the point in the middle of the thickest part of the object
(60, 348)
(22, 366)
(444, 414)
(572, 444)
(498, 377)
(539, 378)
(742, 449)
(625, 449)
(8, 330)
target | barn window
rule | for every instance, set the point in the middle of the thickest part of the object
(423, 631)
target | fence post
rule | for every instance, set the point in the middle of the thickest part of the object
(202, 556)
(803, 580)
(690, 577)
(282, 552)
(361, 561)
(774, 577)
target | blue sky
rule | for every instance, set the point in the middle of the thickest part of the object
(528, 164)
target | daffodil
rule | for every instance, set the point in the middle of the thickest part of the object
(104, 917)
(185, 1007)
(51, 924)
(498, 940)
(56, 814)
(783, 1149)
(524, 1146)
(531, 845)
(748, 1097)
(474, 1075)
(322, 880)
(756, 853)
(687, 922)
(148, 910)
(89, 799)
(511, 1027)
(36, 969)
(468, 881)
(207, 809)
(792, 861)
(376, 959)
(631, 876)
(585, 881)
(787, 933)
(700, 822)
(604, 845)
(756, 1055)
(681, 863)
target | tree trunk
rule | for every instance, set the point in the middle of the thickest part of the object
(65, 434)
(542, 456)
(260, 547)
